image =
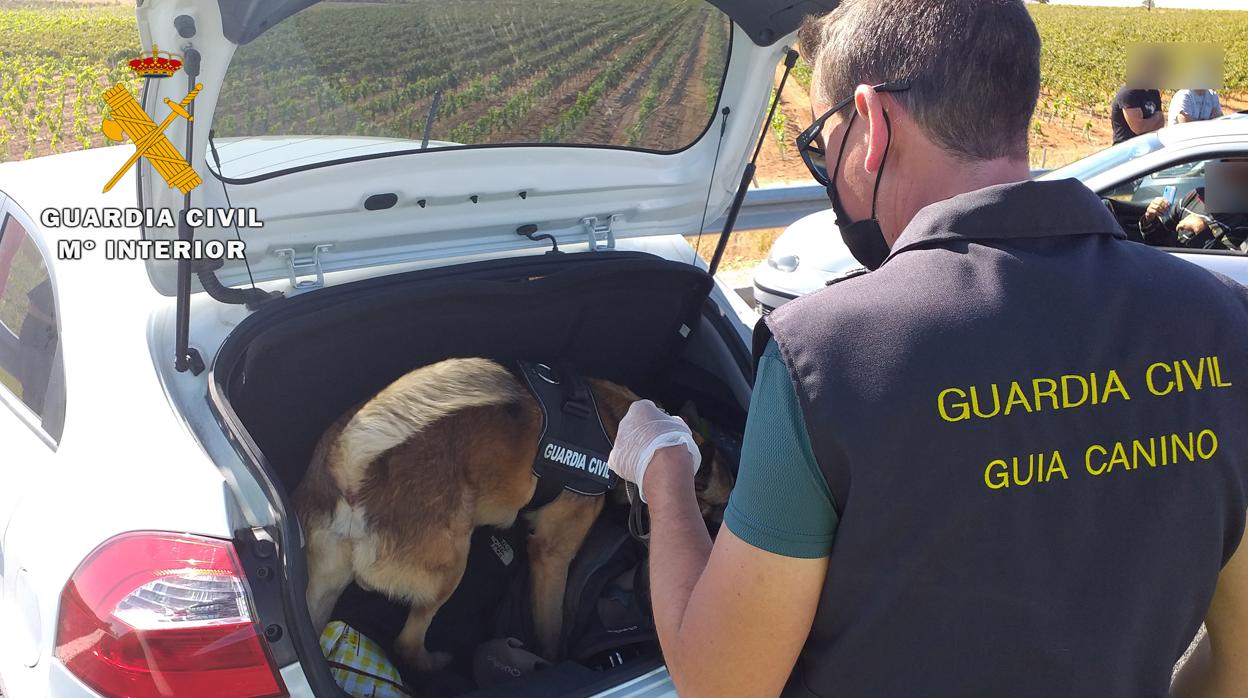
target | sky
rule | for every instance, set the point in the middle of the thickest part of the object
(1185, 4)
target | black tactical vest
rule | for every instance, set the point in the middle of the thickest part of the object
(1036, 433)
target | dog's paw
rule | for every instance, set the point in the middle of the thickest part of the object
(417, 657)
(429, 662)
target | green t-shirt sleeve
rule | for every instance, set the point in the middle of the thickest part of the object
(781, 502)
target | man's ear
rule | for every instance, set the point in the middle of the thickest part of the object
(870, 106)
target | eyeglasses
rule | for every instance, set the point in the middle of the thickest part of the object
(811, 146)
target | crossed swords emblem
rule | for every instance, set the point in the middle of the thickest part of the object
(148, 137)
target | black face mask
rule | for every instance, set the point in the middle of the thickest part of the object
(864, 238)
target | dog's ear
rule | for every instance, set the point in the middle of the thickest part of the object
(689, 413)
(713, 485)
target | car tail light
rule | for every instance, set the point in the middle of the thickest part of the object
(162, 614)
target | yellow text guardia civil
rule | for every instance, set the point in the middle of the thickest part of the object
(956, 404)
(1157, 381)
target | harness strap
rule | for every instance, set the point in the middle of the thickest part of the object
(577, 400)
(573, 447)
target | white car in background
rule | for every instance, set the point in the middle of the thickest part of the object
(810, 254)
(155, 418)
(807, 256)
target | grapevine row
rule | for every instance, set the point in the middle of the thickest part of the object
(500, 117)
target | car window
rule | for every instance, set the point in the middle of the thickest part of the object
(1184, 177)
(404, 75)
(30, 367)
(1184, 169)
(1198, 203)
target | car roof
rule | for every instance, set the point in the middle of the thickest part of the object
(1230, 126)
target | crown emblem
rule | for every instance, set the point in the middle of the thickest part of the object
(159, 64)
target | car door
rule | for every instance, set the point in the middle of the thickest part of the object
(1131, 191)
(32, 405)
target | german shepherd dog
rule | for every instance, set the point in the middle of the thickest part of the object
(397, 485)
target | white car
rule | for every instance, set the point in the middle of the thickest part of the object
(809, 254)
(157, 417)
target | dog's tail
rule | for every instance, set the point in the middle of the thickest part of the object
(411, 404)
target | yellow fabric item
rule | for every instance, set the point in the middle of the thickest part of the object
(359, 665)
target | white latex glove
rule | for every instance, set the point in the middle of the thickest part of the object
(643, 431)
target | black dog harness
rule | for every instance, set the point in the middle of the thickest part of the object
(573, 448)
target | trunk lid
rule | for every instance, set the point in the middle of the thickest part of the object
(588, 120)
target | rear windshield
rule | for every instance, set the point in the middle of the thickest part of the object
(640, 74)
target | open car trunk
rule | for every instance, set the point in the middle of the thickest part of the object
(294, 367)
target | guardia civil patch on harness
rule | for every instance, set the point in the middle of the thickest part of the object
(573, 448)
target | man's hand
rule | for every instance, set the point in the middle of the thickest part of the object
(1156, 208)
(1139, 124)
(732, 620)
(1192, 226)
(644, 431)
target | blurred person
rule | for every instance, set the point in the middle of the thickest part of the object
(1137, 108)
(1193, 105)
(1218, 220)
(1135, 112)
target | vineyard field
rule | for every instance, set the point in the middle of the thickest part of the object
(1083, 49)
(612, 72)
(1082, 62)
(619, 72)
(54, 63)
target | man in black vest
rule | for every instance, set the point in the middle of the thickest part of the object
(1009, 461)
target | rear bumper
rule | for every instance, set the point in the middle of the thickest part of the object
(296, 681)
(655, 684)
(62, 684)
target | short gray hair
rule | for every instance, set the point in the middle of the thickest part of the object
(973, 67)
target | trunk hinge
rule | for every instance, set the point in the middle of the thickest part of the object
(599, 233)
(304, 266)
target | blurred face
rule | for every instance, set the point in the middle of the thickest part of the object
(1154, 67)
(1174, 66)
(1237, 172)
(1146, 66)
(1226, 186)
(1200, 65)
